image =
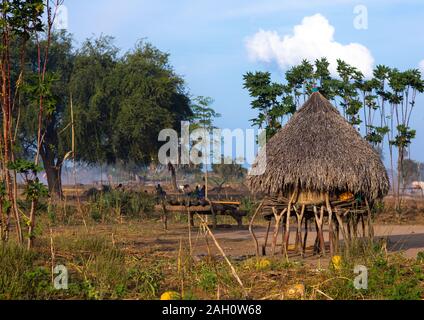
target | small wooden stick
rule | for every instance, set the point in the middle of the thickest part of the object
(233, 270)
(52, 254)
(189, 232)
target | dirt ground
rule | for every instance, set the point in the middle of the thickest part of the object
(144, 237)
(403, 233)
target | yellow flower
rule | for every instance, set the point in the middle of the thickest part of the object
(170, 295)
(296, 291)
(337, 262)
(263, 264)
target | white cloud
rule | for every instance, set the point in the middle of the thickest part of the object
(312, 39)
(421, 66)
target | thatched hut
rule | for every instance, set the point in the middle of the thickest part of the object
(319, 162)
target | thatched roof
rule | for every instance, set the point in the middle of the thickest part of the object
(319, 150)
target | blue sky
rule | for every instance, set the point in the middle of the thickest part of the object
(207, 39)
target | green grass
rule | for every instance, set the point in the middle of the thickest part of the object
(102, 267)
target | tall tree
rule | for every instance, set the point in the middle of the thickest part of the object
(54, 123)
(122, 103)
(270, 101)
(21, 21)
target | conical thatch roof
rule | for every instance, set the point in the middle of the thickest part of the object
(319, 151)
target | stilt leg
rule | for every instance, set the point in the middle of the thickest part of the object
(369, 220)
(305, 239)
(319, 220)
(191, 219)
(299, 245)
(316, 243)
(287, 235)
(266, 239)
(321, 231)
(164, 216)
(283, 233)
(277, 228)
(252, 233)
(339, 218)
(330, 224)
(337, 237)
(364, 234)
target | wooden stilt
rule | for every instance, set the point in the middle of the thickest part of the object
(319, 220)
(337, 237)
(364, 234)
(369, 220)
(356, 219)
(321, 231)
(164, 216)
(287, 235)
(305, 239)
(316, 243)
(252, 233)
(341, 227)
(349, 228)
(299, 216)
(191, 219)
(283, 233)
(266, 239)
(330, 224)
(277, 227)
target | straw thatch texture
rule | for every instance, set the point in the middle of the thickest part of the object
(318, 150)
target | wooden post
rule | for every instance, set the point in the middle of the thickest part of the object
(277, 227)
(369, 220)
(287, 235)
(252, 233)
(164, 216)
(305, 239)
(214, 222)
(299, 245)
(330, 224)
(337, 237)
(266, 239)
(319, 219)
(364, 234)
(339, 218)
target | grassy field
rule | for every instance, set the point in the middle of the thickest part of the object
(115, 247)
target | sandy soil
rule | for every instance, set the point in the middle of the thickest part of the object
(406, 238)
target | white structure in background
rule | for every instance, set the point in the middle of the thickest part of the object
(418, 186)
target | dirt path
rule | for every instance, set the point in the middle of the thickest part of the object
(406, 238)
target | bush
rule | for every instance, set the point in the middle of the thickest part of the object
(120, 203)
(19, 278)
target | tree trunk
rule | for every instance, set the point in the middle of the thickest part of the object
(54, 180)
(54, 174)
(171, 168)
(400, 185)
